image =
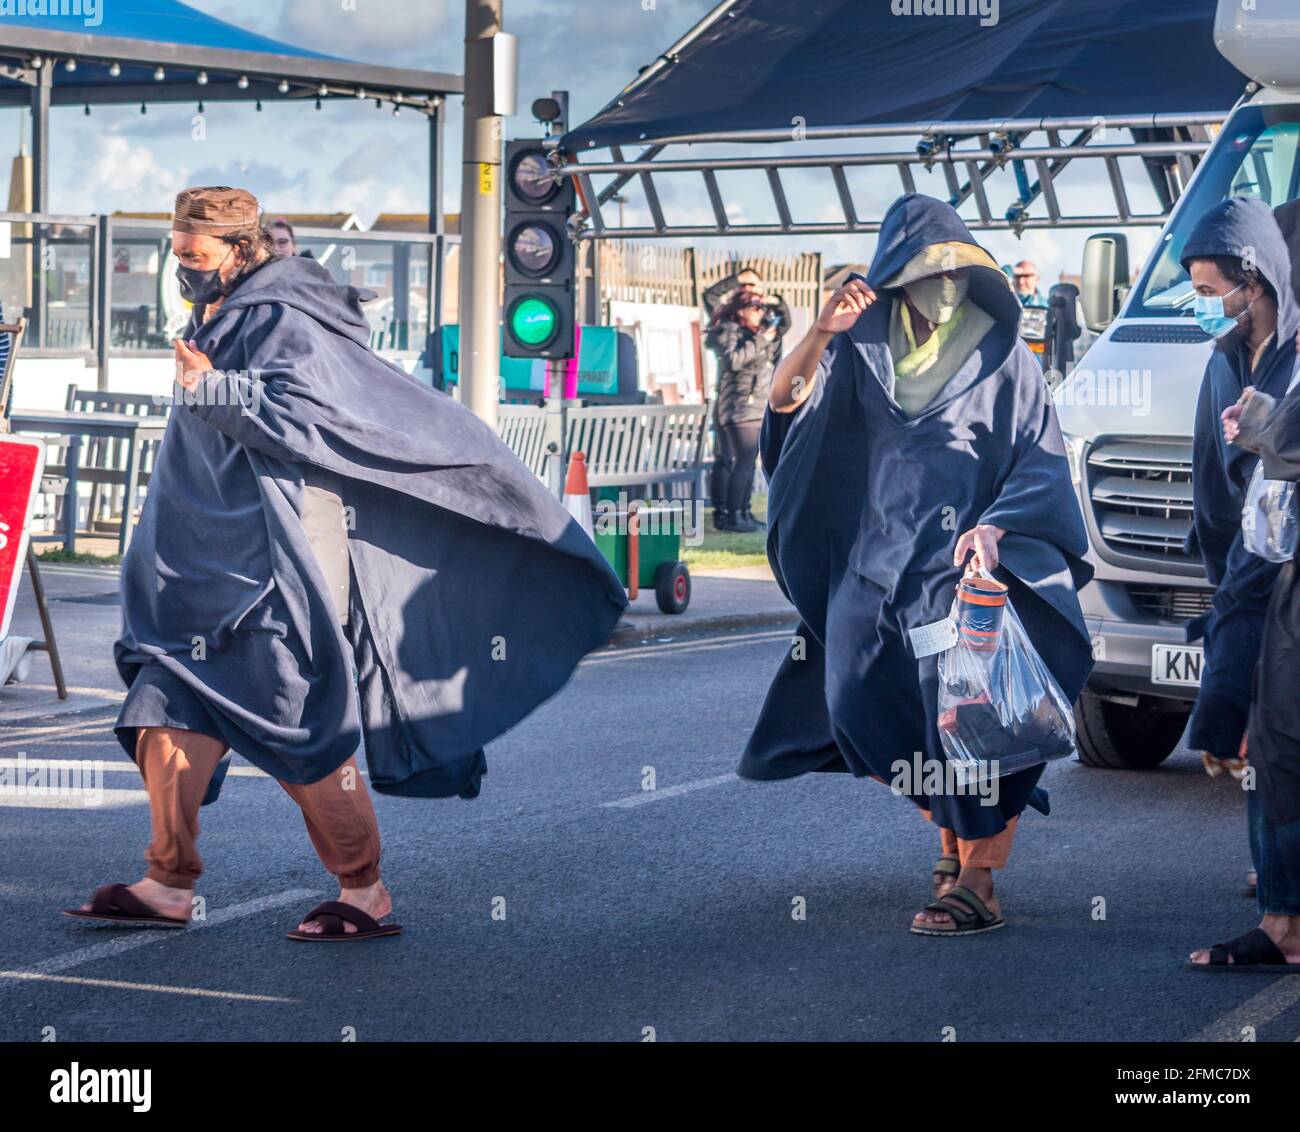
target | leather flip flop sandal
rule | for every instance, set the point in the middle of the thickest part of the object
(332, 915)
(970, 915)
(944, 867)
(117, 904)
(1251, 954)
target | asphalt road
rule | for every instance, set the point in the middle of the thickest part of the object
(626, 910)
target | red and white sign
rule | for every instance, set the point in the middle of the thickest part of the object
(21, 462)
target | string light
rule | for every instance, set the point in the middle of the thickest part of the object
(283, 88)
(243, 82)
(159, 75)
(70, 65)
(202, 78)
(323, 91)
(361, 92)
(115, 69)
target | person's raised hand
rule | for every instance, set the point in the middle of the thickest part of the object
(845, 307)
(191, 364)
(1231, 416)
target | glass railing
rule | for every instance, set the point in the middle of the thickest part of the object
(50, 272)
(47, 275)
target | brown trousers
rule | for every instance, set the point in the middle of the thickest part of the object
(177, 765)
(982, 853)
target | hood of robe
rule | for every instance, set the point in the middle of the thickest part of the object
(1245, 228)
(306, 285)
(917, 229)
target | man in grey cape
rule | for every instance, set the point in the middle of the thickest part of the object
(330, 552)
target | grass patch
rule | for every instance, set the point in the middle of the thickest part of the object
(722, 550)
(79, 558)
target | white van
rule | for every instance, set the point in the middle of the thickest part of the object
(1128, 406)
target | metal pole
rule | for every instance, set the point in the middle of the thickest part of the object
(40, 193)
(104, 300)
(437, 120)
(480, 213)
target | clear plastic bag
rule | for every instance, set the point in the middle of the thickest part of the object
(1000, 709)
(1268, 518)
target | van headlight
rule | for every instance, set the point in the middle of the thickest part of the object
(1075, 450)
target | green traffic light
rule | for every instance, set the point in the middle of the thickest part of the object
(532, 321)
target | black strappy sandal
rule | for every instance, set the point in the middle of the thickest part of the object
(1251, 954)
(332, 915)
(970, 915)
(117, 904)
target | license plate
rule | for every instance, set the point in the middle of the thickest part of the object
(1177, 664)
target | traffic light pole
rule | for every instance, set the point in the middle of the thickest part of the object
(480, 211)
(554, 434)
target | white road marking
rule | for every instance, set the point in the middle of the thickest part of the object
(105, 799)
(143, 937)
(157, 988)
(646, 796)
(111, 766)
(115, 694)
(103, 573)
(671, 648)
(1257, 1011)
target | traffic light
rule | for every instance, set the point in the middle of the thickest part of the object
(539, 312)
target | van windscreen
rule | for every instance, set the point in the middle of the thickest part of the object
(1255, 156)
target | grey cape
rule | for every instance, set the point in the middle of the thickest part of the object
(473, 593)
(864, 511)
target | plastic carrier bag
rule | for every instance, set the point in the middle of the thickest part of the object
(1000, 709)
(1268, 518)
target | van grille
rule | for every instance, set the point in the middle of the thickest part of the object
(1141, 491)
(1171, 603)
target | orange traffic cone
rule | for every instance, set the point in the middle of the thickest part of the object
(577, 496)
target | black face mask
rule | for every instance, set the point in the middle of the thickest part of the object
(201, 287)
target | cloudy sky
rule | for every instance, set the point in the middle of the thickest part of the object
(353, 157)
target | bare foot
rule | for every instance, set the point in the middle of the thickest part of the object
(1282, 930)
(980, 882)
(373, 900)
(177, 903)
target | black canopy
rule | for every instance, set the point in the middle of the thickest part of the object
(773, 64)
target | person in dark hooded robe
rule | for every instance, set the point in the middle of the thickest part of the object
(331, 555)
(911, 436)
(1241, 271)
(1257, 424)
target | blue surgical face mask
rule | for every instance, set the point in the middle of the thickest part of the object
(1210, 317)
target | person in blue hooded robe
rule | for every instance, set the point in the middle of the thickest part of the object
(911, 436)
(1241, 270)
(331, 555)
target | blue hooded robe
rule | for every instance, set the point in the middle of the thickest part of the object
(1240, 227)
(473, 592)
(864, 512)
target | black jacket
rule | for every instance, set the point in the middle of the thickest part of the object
(745, 364)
